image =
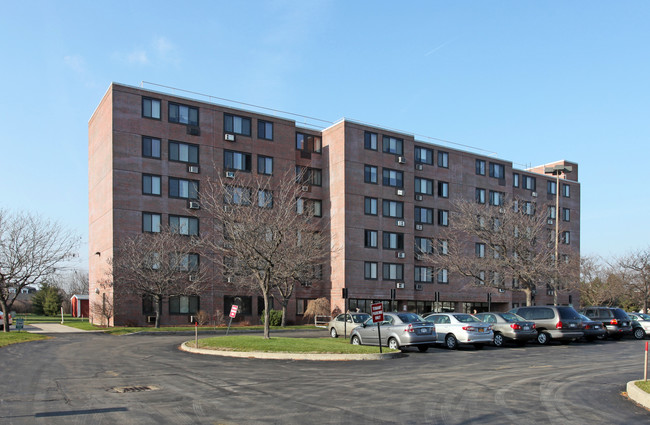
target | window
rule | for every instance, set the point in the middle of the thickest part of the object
(370, 174)
(314, 206)
(393, 240)
(264, 198)
(498, 171)
(529, 183)
(443, 276)
(529, 208)
(370, 206)
(264, 165)
(551, 187)
(480, 279)
(443, 246)
(370, 141)
(480, 196)
(394, 209)
(393, 145)
(423, 186)
(306, 175)
(393, 271)
(443, 217)
(183, 114)
(566, 238)
(237, 161)
(184, 305)
(150, 222)
(566, 214)
(496, 198)
(264, 130)
(181, 188)
(370, 239)
(423, 246)
(236, 124)
(300, 205)
(317, 206)
(551, 212)
(443, 189)
(151, 108)
(424, 215)
(566, 190)
(308, 143)
(515, 179)
(150, 147)
(423, 274)
(480, 250)
(423, 155)
(150, 184)
(393, 178)
(183, 152)
(186, 262)
(370, 270)
(188, 226)
(443, 159)
(237, 196)
(480, 167)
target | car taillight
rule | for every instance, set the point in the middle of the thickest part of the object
(469, 328)
(587, 326)
(613, 322)
(409, 328)
(534, 326)
(515, 326)
(559, 325)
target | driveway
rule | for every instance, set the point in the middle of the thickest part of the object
(145, 379)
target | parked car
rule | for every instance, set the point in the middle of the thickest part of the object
(460, 328)
(344, 323)
(509, 327)
(560, 323)
(592, 329)
(398, 330)
(2, 323)
(616, 321)
(640, 324)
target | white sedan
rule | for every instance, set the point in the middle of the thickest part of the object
(460, 328)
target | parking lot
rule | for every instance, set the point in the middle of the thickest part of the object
(96, 378)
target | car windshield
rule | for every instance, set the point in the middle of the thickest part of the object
(466, 318)
(643, 316)
(585, 318)
(511, 317)
(360, 318)
(568, 313)
(410, 317)
(620, 314)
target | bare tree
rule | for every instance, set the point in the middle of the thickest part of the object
(265, 236)
(489, 244)
(155, 266)
(636, 267)
(600, 284)
(31, 250)
(71, 283)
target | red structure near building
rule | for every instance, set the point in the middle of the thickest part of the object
(79, 305)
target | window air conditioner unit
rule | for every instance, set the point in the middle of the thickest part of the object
(229, 137)
(305, 188)
(419, 287)
(399, 285)
(193, 169)
(501, 290)
(534, 194)
(418, 256)
(418, 197)
(193, 205)
(230, 174)
(550, 221)
(400, 255)
(401, 223)
(401, 159)
(192, 278)
(400, 192)
(151, 319)
(419, 167)
(418, 227)
(229, 280)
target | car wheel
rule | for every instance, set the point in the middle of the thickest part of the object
(333, 333)
(498, 340)
(543, 338)
(639, 333)
(423, 348)
(451, 342)
(392, 344)
(356, 340)
(479, 346)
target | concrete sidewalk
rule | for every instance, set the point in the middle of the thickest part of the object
(51, 328)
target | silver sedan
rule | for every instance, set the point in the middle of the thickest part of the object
(398, 330)
(344, 323)
(460, 328)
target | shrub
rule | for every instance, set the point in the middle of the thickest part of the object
(275, 317)
(47, 301)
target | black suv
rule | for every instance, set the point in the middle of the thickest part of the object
(553, 322)
(615, 320)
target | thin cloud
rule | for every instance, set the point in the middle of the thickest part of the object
(432, 51)
(138, 57)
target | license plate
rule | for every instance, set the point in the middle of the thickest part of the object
(481, 329)
(572, 325)
(526, 328)
(596, 327)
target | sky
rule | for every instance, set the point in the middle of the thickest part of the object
(533, 82)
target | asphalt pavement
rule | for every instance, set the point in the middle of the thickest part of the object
(90, 378)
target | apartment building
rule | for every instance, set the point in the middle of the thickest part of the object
(381, 192)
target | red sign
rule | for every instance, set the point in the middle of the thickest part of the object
(377, 312)
(233, 311)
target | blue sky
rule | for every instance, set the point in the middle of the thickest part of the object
(534, 82)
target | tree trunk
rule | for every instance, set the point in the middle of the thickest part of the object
(284, 313)
(5, 316)
(267, 315)
(156, 300)
(529, 297)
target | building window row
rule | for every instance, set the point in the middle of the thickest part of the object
(182, 225)
(177, 151)
(178, 188)
(308, 143)
(395, 272)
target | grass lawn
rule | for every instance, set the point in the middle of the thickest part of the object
(14, 337)
(290, 345)
(126, 330)
(644, 385)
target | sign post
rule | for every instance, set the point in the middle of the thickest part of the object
(378, 317)
(196, 333)
(233, 313)
(645, 365)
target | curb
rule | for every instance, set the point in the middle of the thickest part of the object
(291, 356)
(637, 395)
